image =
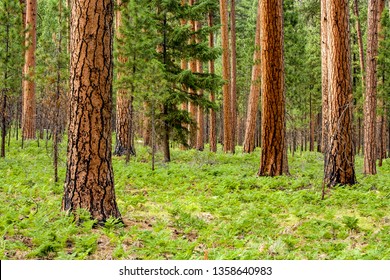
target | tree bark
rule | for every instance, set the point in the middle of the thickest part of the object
(253, 102)
(146, 125)
(193, 109)
(29, 105)
(371, 90)
(213, 114)
(381, 119)
(233, 74)
(123, 143)
(89, 182)
(274, 149)
(227, 105)
(339, 159)
(325, 81)
(312, 121)
(200, 112)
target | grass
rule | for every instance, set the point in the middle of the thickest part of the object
(201, 205)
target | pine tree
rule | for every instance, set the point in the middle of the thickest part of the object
(89, 182)
(158, 51)
(29, 103)
(274, 149)
(339, 158)
(370, 102)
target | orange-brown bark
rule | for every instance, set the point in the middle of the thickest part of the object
(253, 101)
(371, 90)
(89, 182)
(213, 114)
(29, 103)
(123, 125)
(227, 105)
(274, 149)
(233, 74)
(325, 82)
(339, 159)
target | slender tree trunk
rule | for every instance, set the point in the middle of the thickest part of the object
(359, 143)
(325, 81)
(184, 66)
(146, 125)
(123, 143)
(227, 105)
(29, 106)
(213, 114)
(360, 42)
(200, 112)
(339, 159)
(3, 122)
(312, 121)
(89, 182)
(193, 109)
(274, 149)
(371, 90)
(250, 127)
(381, 120)
(57, 97)
(233, 74)
(165, 110)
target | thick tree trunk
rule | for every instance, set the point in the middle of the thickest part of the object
(213, 114)
(371, 90)
(325, 81)
(253, 101)
(89, 182)
(29, 106)
(227, 105)
(274, 149)
(233, 74)
(339, 159)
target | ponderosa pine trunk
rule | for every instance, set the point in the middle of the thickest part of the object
(89, 182)
(227, 105)
(339, 159)
(29, 105)
(371, 90)
(233, 74)
(325, 82)
(274, 149)
(193, 108)
(213, 114)
(253, 101)
(381, 119)
(123, 126)
(200, 112)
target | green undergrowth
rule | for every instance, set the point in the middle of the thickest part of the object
(201, 205)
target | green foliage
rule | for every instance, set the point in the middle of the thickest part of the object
(150, 46)
(201, 202)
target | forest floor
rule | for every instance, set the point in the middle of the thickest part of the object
(201, 205)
